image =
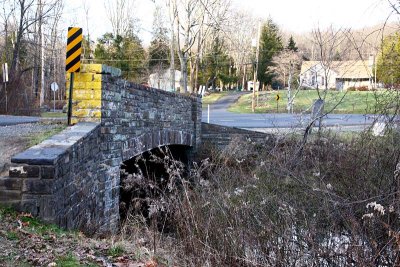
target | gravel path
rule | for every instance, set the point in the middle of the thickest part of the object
(15, 139)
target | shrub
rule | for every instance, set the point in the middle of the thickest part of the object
(358, 88)
(362, 88)
(327, 202)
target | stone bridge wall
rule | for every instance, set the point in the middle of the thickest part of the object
(62, 181)
(222, 136)
(73, 179)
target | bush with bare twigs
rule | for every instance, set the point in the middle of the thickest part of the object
(334, 202)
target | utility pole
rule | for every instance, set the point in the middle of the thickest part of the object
(253, 100)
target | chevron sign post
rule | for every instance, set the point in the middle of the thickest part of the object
(73, 60)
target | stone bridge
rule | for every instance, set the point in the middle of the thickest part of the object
(73, 178)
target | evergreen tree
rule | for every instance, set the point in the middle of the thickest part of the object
(337, 56)
(292, 45)
(216, 66)
(125, 53)
(270, 45)
(388, 64)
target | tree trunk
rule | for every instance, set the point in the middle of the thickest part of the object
(17, 46)
(192, 66)
(196, 76)
(184, 81)
(244, 78)
(172, 52)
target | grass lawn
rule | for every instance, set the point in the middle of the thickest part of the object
(350, 102)
(53, 115)
(40, 137)
(213, 97)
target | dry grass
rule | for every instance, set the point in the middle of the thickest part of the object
(329, 202)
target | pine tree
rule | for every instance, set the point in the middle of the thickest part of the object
(216, 66)
(270, 45)
(125, 53)
(292, 45)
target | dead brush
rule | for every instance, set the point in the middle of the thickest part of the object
(266, 205)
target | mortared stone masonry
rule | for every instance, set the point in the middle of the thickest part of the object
(73, 178)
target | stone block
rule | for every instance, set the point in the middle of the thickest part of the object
(88, 77)
(6, 195)
(88, 93)
(87, 113)
(30, 206)
(24, 171)
(10, 183)
(48, 172)
(87, 104)
(37, 186)
(47, 208)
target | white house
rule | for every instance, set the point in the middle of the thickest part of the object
(162, 80)
(337, 74)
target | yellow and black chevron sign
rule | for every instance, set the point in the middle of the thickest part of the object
(74, 49)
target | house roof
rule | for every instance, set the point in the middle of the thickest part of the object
(350, 69)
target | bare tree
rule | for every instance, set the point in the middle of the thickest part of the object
(241, 30)
(28, 27)
(191, 20)
(119, 13)
(212, 26)
(331, 44)
(286, 65)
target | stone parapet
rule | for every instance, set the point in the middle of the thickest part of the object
(222, 136)
(59, 180)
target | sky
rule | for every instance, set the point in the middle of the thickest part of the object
(297, 16)
(305, 15)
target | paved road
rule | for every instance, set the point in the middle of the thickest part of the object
(6, 120)
(220, 115)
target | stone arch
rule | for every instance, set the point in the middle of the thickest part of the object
(153, 166)
(148, 141)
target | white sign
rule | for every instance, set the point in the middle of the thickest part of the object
(54, 86)
(379, 129)
(5, 73)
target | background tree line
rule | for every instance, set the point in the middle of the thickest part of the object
(208, 41)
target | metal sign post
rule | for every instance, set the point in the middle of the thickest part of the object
(208, 113)
(277, 98)
(73, 61)
(71, 86)
(5, 80)
(54, 88)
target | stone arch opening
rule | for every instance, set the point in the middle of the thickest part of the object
(148, 179)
